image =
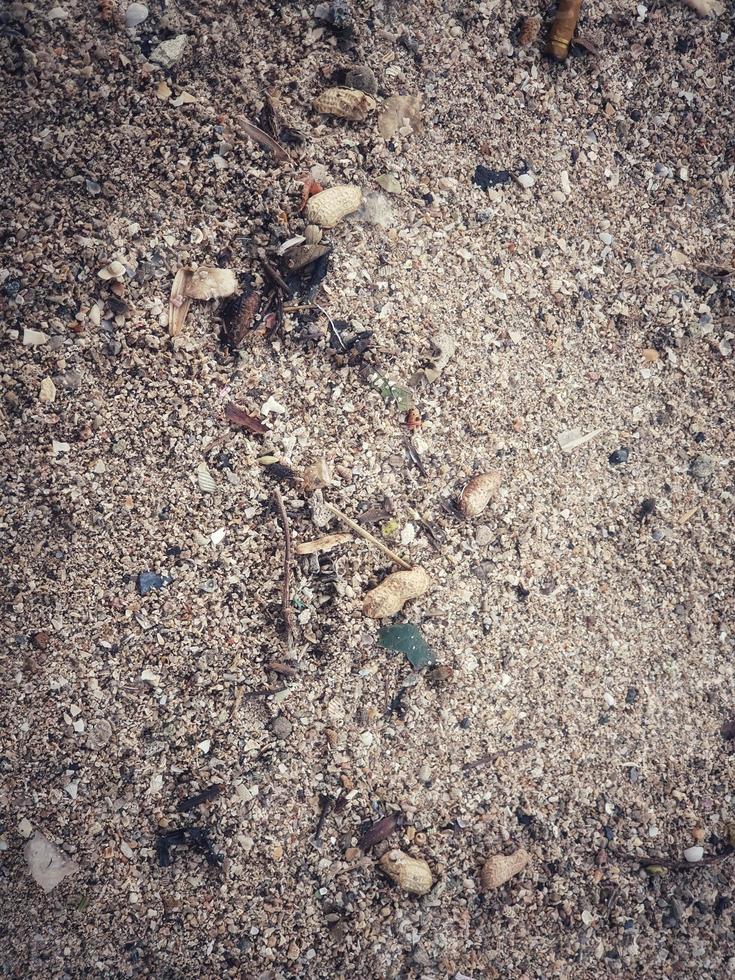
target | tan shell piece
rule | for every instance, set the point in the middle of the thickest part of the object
(329, 207)
(312, 234)
(411, 874)
(387, 598)
(209, 282)
(477, 494)
(325, 543)
(347, 103)
(502, 867)
(179, 303)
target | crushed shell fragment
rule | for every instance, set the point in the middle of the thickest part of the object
(346, 103)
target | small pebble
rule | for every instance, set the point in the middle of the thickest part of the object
(606, 238)
(362, 78)
(526, 181)
(135, 14)
(701, 468)
(618, 457)
(281, 727)
(694, 854)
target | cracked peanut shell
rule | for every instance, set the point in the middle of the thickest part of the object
(477, 494)
(501, 868)
(411, 874)
(389, 597)
(346, 103)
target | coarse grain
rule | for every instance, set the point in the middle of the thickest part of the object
(597, 299)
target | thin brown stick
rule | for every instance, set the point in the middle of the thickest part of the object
(672, 864)
(492, 756)
(286, 592)
(367, 536)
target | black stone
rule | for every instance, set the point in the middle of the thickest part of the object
(486, 178)
(618, 457)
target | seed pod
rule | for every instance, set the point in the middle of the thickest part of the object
(476, 495)
(209, 282)
(501, 868)
(329, 207)
(411, 874)
(312, 234)
(388, 597)
(347, 103)
(361, 77)
(238, 315)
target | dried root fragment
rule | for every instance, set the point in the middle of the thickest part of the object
(303, 255)
(563, 28)
(179, 303)
(208, 282)
(501, 868)
(477, 494)
(346, 103)
(238, 315)
(411, 874)
(329, 207)
(389, 597)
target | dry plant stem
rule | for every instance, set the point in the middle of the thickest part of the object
(673, 865)
(367, 536)
(562, 29)
(492, 756)
(286, 593)
(315, 306)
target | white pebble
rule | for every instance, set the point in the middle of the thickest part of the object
(526, 180)
(606, 238)
(694, 854)
(135, 14)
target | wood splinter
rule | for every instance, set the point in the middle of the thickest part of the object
(288, 620)
(562, 29)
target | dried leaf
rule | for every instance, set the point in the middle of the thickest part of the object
(325, 543)
(310, 188)
(179, 302)
(263, 139)
(380, 831)
(239, 416)
(408, 639)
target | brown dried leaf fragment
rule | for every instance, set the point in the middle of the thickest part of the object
(179, 302)
(302, 255)
(238, 315)
(257, 134)
(325, 543)
(380, 830)
(239, 416)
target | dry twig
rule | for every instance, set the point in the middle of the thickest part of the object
(286, 592)
(367, 536)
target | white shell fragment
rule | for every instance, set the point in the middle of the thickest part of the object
(135, 14)
(209, 282)
(571, 438)
(113, 270)
(694, 854)
(47, 393)
(47, 864)
(205, 479)
(34, 338)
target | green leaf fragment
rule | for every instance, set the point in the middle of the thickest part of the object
(408, 639)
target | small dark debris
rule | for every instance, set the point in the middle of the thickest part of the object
(12, 288)
(685, 44)
(282, 473)
(190, 802)
(524, 819)
(380, 830)
(646, 509)
(190, 836)
(699, 437)
(618, 457)
(486, 178)
(631, 695)
(148, 581)
(728, 729)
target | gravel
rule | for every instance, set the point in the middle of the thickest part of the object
(544, 615)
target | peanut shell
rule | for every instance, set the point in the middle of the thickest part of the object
(347, 103)
(327, 208)
(411, 874)
(388, 597)
(476, 495)
(209, 282)
(502, 867)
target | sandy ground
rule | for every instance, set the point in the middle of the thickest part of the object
(599, 632)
